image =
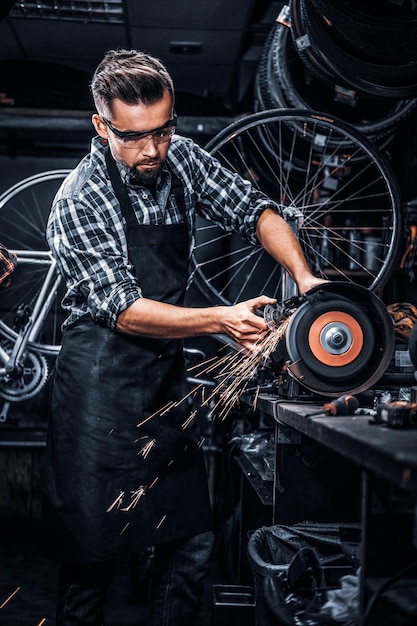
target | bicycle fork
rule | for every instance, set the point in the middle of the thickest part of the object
(30, 322)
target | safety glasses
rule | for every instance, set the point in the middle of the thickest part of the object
(139, 140)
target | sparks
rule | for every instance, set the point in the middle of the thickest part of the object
(145, 450)
(189, 420)
(164, 409)
(236, 370)
(135, 497)
(255, 399)
(233, 371)
(161, 522)
(117, 503)
(153, 483)
(9, 598)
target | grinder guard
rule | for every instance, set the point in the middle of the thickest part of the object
(339, 340)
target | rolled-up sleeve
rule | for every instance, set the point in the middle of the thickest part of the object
(93, 257)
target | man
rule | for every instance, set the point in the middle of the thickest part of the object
(117, 479)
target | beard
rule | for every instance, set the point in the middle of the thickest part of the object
(134, 175)
(146, 177)
(138, 177)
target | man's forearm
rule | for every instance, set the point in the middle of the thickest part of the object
(159, 319)
(151, 318)
(279, 240)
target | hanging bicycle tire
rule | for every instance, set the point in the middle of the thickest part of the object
(343, 202)
(380, 32)
(325, 56)
(284, 81)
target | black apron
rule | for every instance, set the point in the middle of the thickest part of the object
(112, 486)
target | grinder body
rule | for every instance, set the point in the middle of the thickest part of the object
(340, 338)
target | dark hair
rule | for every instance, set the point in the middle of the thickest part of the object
(131, 76)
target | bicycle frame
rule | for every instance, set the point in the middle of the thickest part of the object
(26, 337)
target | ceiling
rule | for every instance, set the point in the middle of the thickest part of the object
(49, 48)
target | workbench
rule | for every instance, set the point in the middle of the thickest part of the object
(345, 467)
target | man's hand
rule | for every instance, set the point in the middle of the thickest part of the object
(243, 325)
(308, 282)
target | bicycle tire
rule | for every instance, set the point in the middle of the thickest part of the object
(227, 271)
(389, 38)
(280, 76)
(383, 81)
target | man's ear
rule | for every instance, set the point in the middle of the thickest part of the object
(100, 126)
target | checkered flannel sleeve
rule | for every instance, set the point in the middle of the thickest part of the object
(8, 261)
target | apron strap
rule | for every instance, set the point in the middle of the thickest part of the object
(177, 189)
(120, 190)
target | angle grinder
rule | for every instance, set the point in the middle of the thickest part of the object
(339, 339)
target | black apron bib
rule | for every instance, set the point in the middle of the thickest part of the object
(112, 486)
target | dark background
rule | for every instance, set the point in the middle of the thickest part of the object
(212, 48)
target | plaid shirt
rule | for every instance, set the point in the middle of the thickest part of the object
(8, 262)
(87, 233)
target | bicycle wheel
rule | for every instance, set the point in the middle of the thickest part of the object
(24, 210)
(335, 188)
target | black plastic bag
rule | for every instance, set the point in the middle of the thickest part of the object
(292, 567)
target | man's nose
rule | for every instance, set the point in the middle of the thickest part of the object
(151, 146)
